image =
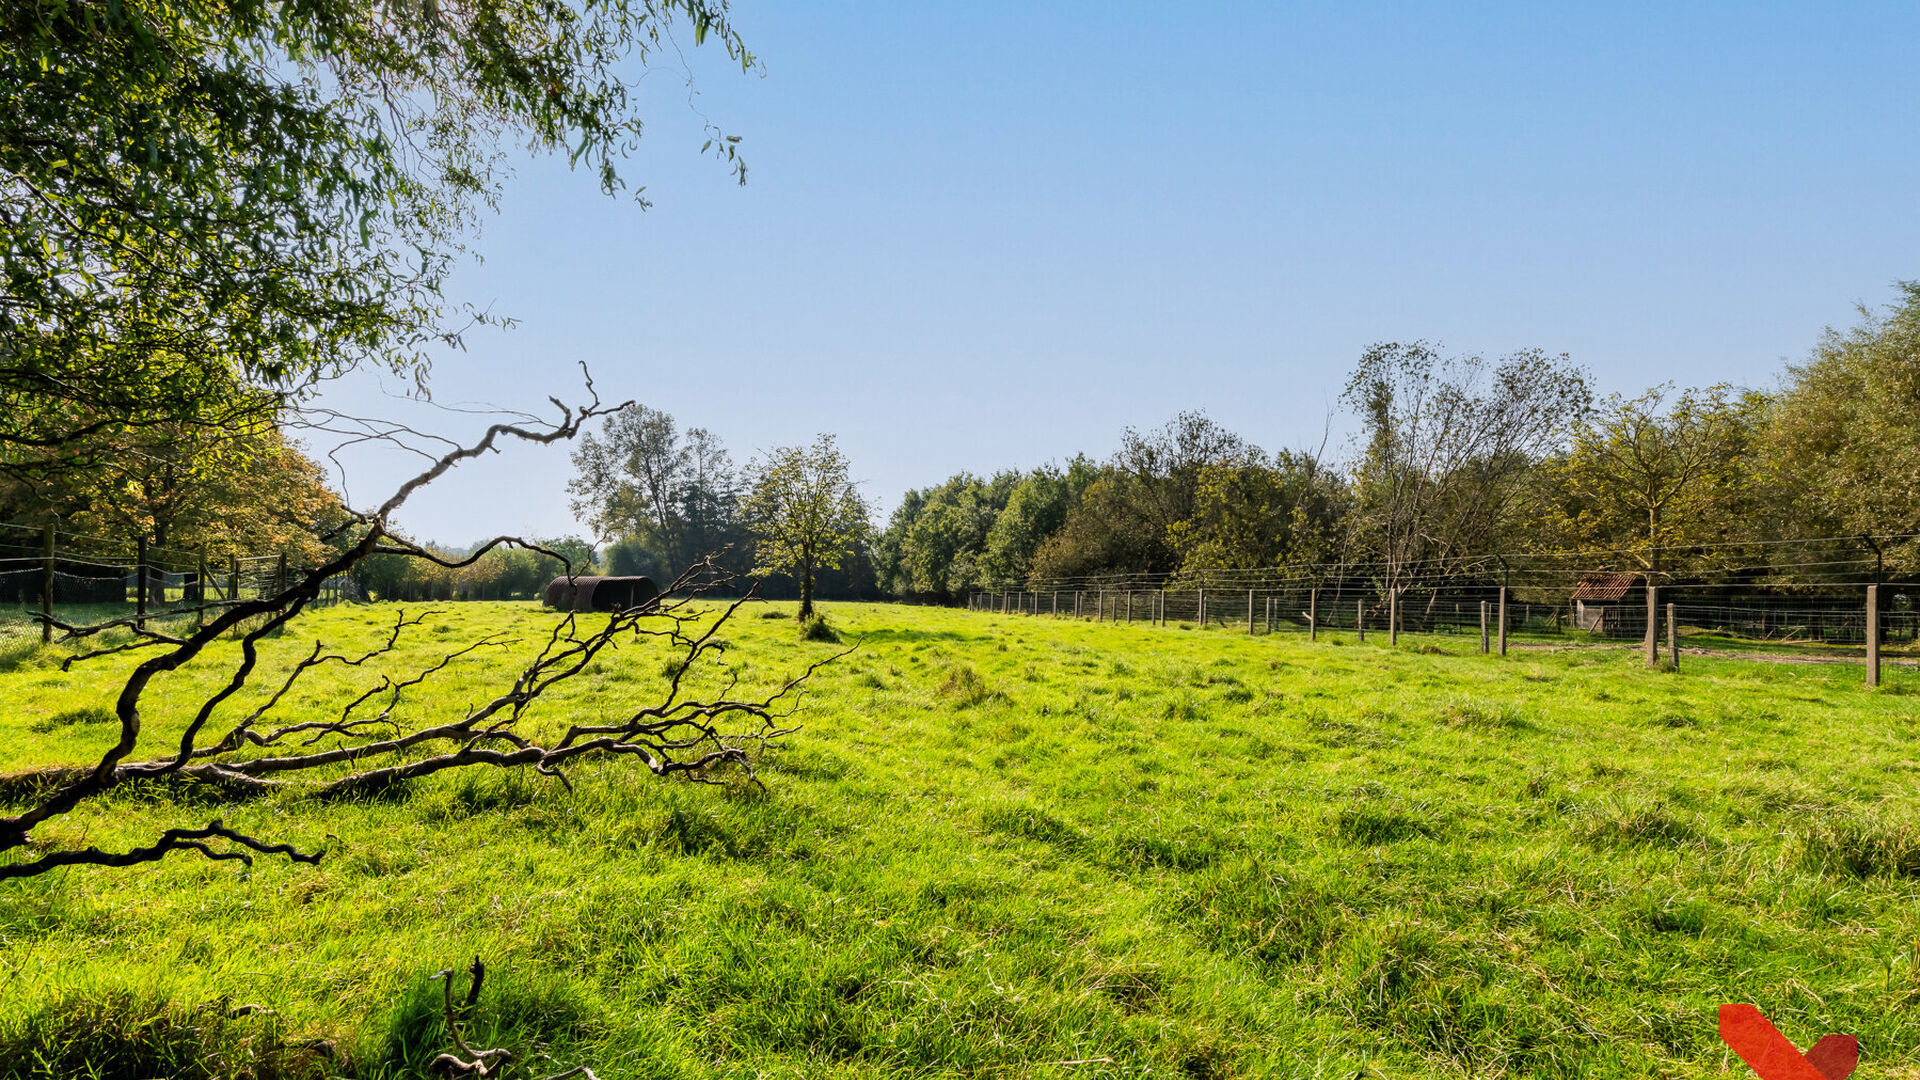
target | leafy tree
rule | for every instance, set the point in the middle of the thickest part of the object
(672, 495)
(1450, 444)
(804, 513)
(247, 491)
(1261, 514)
(1647, 475)
(936, 540)
(1035, 509)
(202, 197)
(1125, 521)
(1845, 431)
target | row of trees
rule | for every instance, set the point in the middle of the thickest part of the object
(671, 497)
(1460, 460)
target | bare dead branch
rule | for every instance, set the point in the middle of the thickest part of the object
(381, 737)
(171, 840)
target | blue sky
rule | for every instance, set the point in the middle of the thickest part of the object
(981, 236)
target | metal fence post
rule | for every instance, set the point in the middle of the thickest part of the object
(1873, 635)
(1313, 614)
(1393, 616)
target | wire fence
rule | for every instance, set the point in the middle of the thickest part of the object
(1869, 624)
(49, 575)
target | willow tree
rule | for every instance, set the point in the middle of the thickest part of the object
(202, 198)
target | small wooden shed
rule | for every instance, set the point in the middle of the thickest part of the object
(597, 593)
(1600, 604)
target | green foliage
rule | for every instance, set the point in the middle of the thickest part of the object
(815, 628)
(207, 196)
(1846, 429)
(1450, 445)
(804, 513)
(935, 544)
(1646, 475)
(671, 497)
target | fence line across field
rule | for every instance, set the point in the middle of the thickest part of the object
(1655, 615)
(43, 568)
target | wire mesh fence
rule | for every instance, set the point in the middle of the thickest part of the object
(1868, 624)
(48, 576)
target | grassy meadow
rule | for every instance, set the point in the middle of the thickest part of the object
(1004, 846)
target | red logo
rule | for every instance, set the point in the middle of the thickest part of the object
(1770, 1054)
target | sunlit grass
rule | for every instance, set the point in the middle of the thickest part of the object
(999, 844)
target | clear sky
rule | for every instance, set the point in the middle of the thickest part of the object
(990, 235)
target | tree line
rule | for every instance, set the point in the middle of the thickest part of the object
(1459, 458)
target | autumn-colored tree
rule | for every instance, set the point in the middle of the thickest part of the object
(248, 491)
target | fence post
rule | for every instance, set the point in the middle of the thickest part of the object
(1360, 619)
(1056, 603)
(1201, 604)
(233, 577)
(1484, 640)
(1503, 620)
(1873, 635)
(1269, 618)
(1393, 616)
(1313, 614)
(140, 583)
(1673, 637)
(1129, 607)
(1249, 611)
(200, 592)
(1653, 624)
(283, 573)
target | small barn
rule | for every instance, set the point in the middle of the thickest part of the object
(1600, 603)
(585, 593)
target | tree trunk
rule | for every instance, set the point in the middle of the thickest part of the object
(806, 591)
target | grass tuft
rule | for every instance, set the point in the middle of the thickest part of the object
(122, 1035)
(85, 714)
(815, 628)
(1845, 845)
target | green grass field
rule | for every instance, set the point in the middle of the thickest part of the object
(1005, 846)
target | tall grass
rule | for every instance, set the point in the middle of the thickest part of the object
(1006, 846)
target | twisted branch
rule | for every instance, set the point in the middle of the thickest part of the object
(681, 734)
